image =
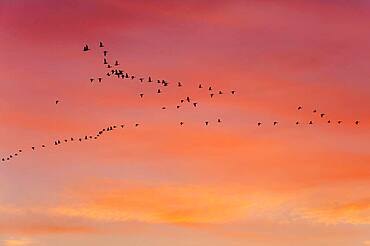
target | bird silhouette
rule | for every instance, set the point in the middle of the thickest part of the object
(91, 80)
(220, 92)
(159, 91)
(211, 95)
(179, 84)
(297, 123)
(299, 108)
(206, 123)
(116, 64)
(339, 122)
(310, 123)
(275, 123)
(101, 44)
(233, 92)
(141, 95)
(200, 86)
(322, 115)
(141, 79)
(33, 148)
(105, 52)
(357, 122)
(188, 99)
(57, 101)
(314, 111)
(259, 123)
(181, 123)
(105, 61)
(219, 120)
(99, 79)
(177, 106)
(163, 107)
(136, 124)
(150, 79)
(195, 104)
(86, 48)
(210, 88)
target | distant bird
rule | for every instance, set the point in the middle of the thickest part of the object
(150, 79)
(322, 115)
(141, 95)
(177, 106)
(33, 148)
(219, 120)
(57, 101)
(179, 84)
(86, 48)
(105, 52)
(108, 74)
(132, 76)
(297, 123)
(357, 122)
(91, 80)
(314, 111)
(105, 61)
(159, 91)
(20, 151)
(310, 123)
(163, 107)
(109, 66)
(101, 44)
(99, 79)
(211, 95)
(210, 88)
(339, 122)
(72, 139)
(195, 104)
(259, 123)
(136, 124)
(182, 100)
(300, 107)
(220, 92)
(329, 121)
(181, 123)
(200, 86)
(122, 126)
(80, 139)
(43, 146)
(275, 123)
(188, 99)
(233, 92)
(15, 154)
(116, 64)
(206, 123)
(141, 79)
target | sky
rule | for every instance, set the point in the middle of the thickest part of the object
(161, 183)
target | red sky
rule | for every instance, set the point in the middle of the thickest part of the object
(161, 184)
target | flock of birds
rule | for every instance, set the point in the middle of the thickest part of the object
(113, 70)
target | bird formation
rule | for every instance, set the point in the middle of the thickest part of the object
(114, 70)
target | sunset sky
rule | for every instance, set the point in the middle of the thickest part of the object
(162, 184)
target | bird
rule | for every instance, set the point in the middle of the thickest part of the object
(357, 122)
(200, 86)
(163, 107)
(322, 115)
(188, 99)
(86, 48)
(136, 124)
(122, 126)
(219, 120)
(101, 44)
(159, 91)
(99, 79)
(275, 123)
(179, 84)
(182, 100)
(43, 146)
(220, 92)
(57, 101)
(80, 139)
(211, 95)
(33, 148)
(105, 61)
(150, 79)
(300, 107)
(20, 151)
(310, 123)
(105, 52)
(339, 122)
(108, 74)
(177, 106)
(314, 111)
(329, 121)
(132, 76)
(259, 123)
(91, 80)
(116, 64)
(141, 95)
(233, 92)
(72, 139)
(206, 123)
(181, 123)
(297, 123)
(141, 79)
(210, 88)
(195, 104)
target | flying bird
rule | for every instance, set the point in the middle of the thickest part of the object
(259, 123)
(101, 44)
(300, 107)
(200, 86)
(233, 92)
(141, 95)
(105, 52)
(99, 79)
(275, 123)
(57, 101)
(206, 123)
(322, 115)
(86, 48)
(357, 122)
